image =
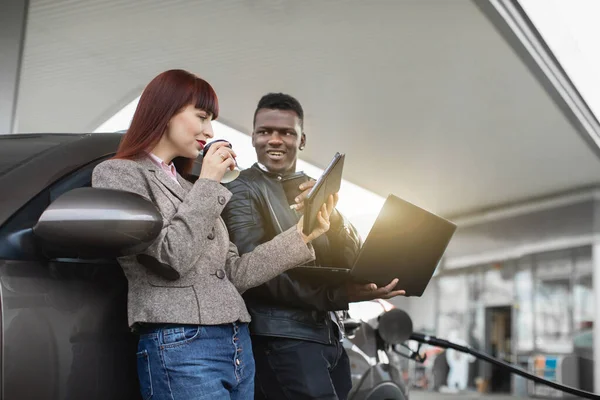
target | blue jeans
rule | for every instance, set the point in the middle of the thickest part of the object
(194, 362)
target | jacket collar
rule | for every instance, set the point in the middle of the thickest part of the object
(178, 190)
(265, 171)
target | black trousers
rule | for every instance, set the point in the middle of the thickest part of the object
(290, 369)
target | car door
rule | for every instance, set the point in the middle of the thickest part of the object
(64, 323)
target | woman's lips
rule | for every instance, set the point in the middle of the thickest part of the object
(202, 144)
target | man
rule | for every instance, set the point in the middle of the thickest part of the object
(295, 334)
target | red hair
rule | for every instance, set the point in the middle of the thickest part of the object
(163, 98)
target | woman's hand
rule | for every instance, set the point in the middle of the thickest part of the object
(217, 160)
(323, 218)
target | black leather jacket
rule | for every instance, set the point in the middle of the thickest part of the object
(287, 306)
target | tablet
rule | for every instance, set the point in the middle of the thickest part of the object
(329, 183)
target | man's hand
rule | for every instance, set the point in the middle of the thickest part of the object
(360, 292)
(335, 218)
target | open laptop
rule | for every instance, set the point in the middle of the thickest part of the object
(406, 242)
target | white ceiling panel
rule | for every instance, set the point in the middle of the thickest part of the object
(426, 98)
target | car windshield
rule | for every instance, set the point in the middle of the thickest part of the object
(16, 150)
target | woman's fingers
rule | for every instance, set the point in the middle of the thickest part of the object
(222, 153)
(231, 163)
(215, 147)
(325, 211)
(330, 204)
(323, 222)
(226, 153)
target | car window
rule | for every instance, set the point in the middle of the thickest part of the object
(78, 179)
(17, 241)
(18, 149)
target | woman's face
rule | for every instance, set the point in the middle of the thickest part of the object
(188, 132)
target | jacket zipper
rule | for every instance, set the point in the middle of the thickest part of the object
(272, 211)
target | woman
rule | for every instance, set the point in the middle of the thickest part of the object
(184, 290)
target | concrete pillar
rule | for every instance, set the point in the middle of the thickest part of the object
(13, 21)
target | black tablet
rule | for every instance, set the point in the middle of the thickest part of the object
(329, 183)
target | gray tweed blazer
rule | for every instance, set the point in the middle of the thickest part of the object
(192, 273)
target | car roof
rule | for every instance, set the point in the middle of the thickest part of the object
(18, 149)
(38, 160)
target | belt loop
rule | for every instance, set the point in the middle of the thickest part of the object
(160, 334)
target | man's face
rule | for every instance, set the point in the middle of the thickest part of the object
(276, 137)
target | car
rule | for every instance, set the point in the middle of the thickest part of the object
(62, 294)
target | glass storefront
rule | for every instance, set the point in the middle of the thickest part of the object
(553, 302)
(452, 315)
(536, 304)
(523, 307)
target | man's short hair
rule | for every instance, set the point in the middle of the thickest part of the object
(280, 101)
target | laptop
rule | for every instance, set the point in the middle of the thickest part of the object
(406, 242)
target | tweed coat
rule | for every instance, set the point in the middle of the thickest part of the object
(192, 273)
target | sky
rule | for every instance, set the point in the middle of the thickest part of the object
(571, 31)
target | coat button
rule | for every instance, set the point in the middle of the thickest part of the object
(221, 200)
(220, 274)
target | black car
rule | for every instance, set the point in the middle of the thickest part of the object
(62, 293)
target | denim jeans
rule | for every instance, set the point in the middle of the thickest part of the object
(177, 362)
(300, 370)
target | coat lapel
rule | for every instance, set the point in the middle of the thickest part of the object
(168, 182)
(187, 185)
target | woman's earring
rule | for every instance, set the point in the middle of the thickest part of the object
(301, 147)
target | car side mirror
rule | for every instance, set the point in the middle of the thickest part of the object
(97, 223)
